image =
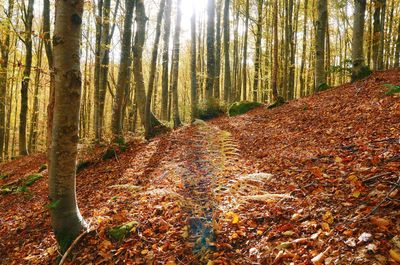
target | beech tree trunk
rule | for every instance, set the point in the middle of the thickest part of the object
(227, 72)
(358, 40)
(304, 50)
(124, 74)
(274, 82)
(193, 67)
(153, 65)
(175, 67)
(321, 23)
(377, 33)
(26, 79)
(210, 50)
(66, 219)
(246, 36)
(5, 50)
(258, 50)
(218, 47)
(397, 53)
(165, 60)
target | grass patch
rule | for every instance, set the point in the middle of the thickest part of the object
(392, 89)
(239, 108)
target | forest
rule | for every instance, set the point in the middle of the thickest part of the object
(199, 132)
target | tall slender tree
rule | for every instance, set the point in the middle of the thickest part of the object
(193, 66)
(246, 36)
(66, 219)
(175, 67)
(321, 24)
(257, 58)
(165, 60)
(227, 72)
(5, 51)
(359, 69)
(210, 50)
(124, 73)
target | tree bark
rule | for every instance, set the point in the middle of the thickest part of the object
(227, 72)
(124, 74)
(210, 50)
(397, 53)
(218, 47)
(165, 60)
(358, 40)
(5, 50)
(377, 33)
(26, 79)
(304, 50)
(321, 23)
(193, 67)
(258, 50)
(246, 36)
(66, 219)
(153, 65)
(175, 67)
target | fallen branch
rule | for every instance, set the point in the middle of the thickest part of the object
(373, 178)
(64, 257)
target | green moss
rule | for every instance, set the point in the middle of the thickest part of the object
(239, 108)
(120, 232)
(110, 153)
(82, 165)
(3, 176)
(278, 103)
(392, 89)
(32, 179)
(323, 87)
(42, 168)
(209, 110)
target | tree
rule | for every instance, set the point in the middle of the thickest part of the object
(175, 67)
(227, 72)
(210, 50)
(321, 24)
(123, 74)
(5, 50)
(246, 36)
(397, 53)
(66, 219)
(359, 69)
(218, 46)
(153, 65)
(274, 82)
(26, 78)
(376, 34)
(193, 64)
(304, 50)
(165, 60)
(258, 49)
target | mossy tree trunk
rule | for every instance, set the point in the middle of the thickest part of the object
(66, 219)
(210, 50)
(175, 67)
(227, 72)
(165, 60)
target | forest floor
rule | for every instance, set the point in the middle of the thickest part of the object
(315, 181)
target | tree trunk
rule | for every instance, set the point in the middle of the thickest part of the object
(5, 50)
(66, 219)
(258, 50)
(292, 52)
(358, 40)
(246, 36)
(218, 46)
(377, 33)
(397, 53)
(26, 79)
(304, 50)
(33, 133)
(210, 50)
(382, 35)
(321, 23)
(153, 65)
(49, 54)
(175, 67)
(227, 72)
(124, 74)
(274, 82)
(165, 60)
(193, 64)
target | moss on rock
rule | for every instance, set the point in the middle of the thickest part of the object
(239, 108)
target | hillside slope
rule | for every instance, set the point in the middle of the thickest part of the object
(315, 179)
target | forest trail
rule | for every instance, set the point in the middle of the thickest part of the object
(316, 179)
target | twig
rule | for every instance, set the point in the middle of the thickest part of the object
(376, 177)
(64, 257)
(387, 197)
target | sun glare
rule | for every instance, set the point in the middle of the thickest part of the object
(187, 6)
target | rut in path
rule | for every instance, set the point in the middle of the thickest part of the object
(204, 164)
